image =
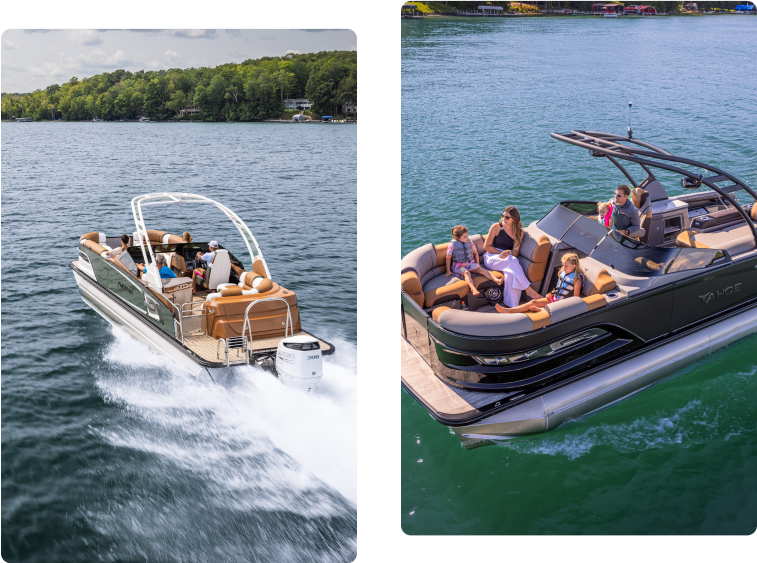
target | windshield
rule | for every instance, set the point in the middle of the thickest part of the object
(585, 234)
(127, 261)
(635, 258)
(557, 221)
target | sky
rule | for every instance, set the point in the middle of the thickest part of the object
(35, 59)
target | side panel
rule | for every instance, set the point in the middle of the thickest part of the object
(98, 264)
(707, 295)
(131, 291)
(120, 283)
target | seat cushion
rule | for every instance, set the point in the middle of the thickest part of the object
(566, 308)
(479, 280)
(595, 301)
(442, 288)
(484, 324)
(420, 260)
(597, 280)
(539, 319)
(438, 311)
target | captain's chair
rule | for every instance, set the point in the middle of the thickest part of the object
(640, 199)
(218, 271)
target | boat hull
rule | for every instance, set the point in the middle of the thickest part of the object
(565, 403)
(122, 316)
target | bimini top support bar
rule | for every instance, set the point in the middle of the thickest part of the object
(603, 143)
(171, 198)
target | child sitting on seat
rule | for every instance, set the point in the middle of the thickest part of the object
(464, 257)
(569, 282)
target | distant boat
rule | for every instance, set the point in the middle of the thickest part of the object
(96, 119)
(611, 15)
(23, 119)
(144, 120)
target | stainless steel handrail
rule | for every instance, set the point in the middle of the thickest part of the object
(289, 325)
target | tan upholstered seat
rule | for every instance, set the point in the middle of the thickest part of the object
(162, 237)
(423, 269)
(93, 246)
(441, 288)
(640, 199)
(539, 319)
(685, 239)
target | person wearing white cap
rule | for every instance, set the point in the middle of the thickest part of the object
(207, 258)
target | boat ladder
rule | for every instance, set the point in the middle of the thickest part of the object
(193, 318)
(288, 327)
(231, 343)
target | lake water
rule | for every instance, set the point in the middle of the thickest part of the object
(479, 99)
(109, 451)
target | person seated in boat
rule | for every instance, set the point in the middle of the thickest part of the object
(569, 282)
(604, 208)
(206, 259)
(463, 256)
(625, 216)
(186, 237)
(501, 249)
(164, 271)
(124, 245)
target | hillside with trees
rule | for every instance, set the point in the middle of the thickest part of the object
(448, 7)
(250, 91)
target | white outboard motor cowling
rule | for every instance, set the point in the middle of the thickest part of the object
(299, 362)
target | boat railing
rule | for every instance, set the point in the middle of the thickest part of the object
(186, 313)
(288, 327)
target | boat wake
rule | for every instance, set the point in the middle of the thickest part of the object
(698, 421)
(248, 470)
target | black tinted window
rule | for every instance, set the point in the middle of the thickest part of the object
(557, 221)
(585, 234)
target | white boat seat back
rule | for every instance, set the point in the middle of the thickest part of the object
(219, 270)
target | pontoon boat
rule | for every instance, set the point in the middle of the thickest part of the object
(650, 305)
(237, 316)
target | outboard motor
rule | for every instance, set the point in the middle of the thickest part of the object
(299, 362)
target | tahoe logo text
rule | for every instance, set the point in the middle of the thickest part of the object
(707, 297)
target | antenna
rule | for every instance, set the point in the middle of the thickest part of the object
(630, 133)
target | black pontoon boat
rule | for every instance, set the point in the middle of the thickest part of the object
(651, 304)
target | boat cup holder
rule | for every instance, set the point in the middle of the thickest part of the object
(611, 294)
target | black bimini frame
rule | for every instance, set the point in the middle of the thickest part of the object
(608, 145)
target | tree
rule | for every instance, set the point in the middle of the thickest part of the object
(153, 98)
(176, 103)
(137, 102)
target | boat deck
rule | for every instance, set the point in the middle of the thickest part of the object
(420, 380)
(206, 346)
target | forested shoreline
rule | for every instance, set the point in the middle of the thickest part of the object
(253, 90)
(675, 6)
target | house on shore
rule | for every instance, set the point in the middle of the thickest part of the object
(298, 104)
(349, 108)
(607, 8)
(189, 110)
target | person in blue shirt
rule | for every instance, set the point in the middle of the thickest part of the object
(160, 262)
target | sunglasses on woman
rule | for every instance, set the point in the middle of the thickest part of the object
(506, 217)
